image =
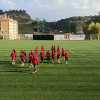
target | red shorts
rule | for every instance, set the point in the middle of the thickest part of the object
(48, 58)
(66, 58)
(58, 56)
(63, 55)
(14, 58)
(23, 60)
(53, 57)
(42, 57)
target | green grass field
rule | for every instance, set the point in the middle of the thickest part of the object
(79, 80)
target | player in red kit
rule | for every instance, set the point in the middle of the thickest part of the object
(23, 57)
(13, 56)
(63, 54)
(31, 55)
(67, 56)
(54, 49)
(37, 54)
(58, 55)
(24, 52)
(42, 54)
(35, 62)
(48, 56)
(53, 56)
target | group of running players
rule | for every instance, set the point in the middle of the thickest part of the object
(34, 58)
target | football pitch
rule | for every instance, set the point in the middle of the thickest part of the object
(79, 80)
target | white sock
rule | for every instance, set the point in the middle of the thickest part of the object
(12, 63)
(22, 64)
(31, 65)
(66, 62)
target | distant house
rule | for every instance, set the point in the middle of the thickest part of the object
(8, 27)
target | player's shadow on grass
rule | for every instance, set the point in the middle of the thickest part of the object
(9, 71)
(8, 67)
(5, 62)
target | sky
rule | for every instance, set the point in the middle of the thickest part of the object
(53, 10)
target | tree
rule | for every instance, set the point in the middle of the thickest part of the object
(86, 31)
(98, 28)
(91, 30)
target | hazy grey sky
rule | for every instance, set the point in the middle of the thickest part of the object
(52, 10)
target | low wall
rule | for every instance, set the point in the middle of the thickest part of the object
(43, 37)
(71, 37)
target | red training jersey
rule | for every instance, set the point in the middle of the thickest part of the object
(14, 55)
(63, 52)
(48, 55)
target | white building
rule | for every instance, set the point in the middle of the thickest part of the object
(8, 27)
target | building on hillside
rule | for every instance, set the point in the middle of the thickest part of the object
(8, 28)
